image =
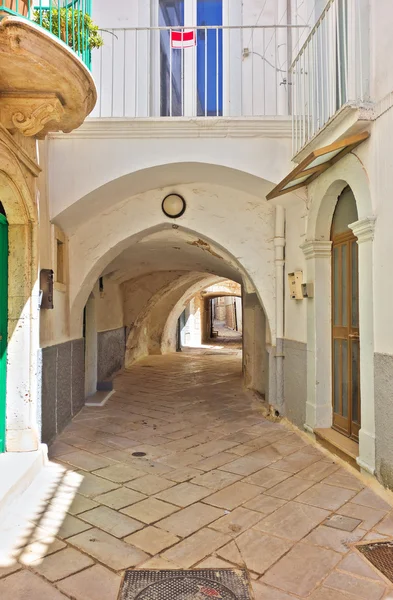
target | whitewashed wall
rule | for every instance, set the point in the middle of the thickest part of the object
(295, 310)
(82, 165)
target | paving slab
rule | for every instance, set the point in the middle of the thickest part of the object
(237, 521)
(191, 519)
(96, 583)
(233, 496)
(111, 521)
(119, 498)
(152, 540)
(150, 510)
(184, 494)
(61, 564)
(193, 549)
(302, 569)
(24, 584)
(108, 550)
(292, 521)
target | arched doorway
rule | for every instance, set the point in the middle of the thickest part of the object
(3, 322)
(345, 318)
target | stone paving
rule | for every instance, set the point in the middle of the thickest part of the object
(220, 486)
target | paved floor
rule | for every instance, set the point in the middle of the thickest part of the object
(226, 335)
(218, 486)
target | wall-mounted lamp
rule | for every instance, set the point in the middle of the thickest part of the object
(173, 206)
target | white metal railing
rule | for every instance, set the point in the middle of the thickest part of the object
(218, 71)
(331, 69)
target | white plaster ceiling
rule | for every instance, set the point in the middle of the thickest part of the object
(168, 250)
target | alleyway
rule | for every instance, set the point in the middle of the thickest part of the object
(217, 486)
(226, 335)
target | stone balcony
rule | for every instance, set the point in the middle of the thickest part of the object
(44, 85)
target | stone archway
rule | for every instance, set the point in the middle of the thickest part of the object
(324, 193)
(17, 184)
(169, 334)
(148, 328)
(134, 219)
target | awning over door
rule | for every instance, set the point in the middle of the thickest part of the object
(316, 163)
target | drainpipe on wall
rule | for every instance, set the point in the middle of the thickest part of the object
(282, 40)
(279, 245)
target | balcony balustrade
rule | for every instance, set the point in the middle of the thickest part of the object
(331, 70)
(69, 21)
(205, 71)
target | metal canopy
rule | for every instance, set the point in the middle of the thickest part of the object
(316, 163)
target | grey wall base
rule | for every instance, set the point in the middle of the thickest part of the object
(63, 386)
(383, 382)
(295, 381)
(111, 347)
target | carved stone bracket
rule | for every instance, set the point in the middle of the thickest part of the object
(30, 113)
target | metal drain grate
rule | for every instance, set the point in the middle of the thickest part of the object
(199, 584)
(379, 554)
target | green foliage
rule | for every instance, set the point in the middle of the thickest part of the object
(74, 27)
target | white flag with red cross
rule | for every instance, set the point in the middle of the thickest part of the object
(183, 39)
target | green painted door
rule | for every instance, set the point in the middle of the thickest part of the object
(3, 324)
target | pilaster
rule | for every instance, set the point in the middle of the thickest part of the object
(319, 404)
(364, 231)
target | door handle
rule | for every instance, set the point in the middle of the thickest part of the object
(353, 336)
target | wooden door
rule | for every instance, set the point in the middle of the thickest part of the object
(3, 324)
(345, 335)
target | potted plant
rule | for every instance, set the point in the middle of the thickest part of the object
(74, 27)
(21, 7)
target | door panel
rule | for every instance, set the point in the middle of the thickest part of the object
(3, 325)
(345, 335)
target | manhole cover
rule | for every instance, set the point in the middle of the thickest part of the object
(380, 554)
(200, 584)
(139, 454)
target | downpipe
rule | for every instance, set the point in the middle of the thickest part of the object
(279, 246)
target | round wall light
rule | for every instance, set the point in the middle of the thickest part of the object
(173, 206)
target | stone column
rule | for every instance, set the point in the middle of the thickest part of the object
(22, 433)
(364, 231)
(319, 385)
(91, 348)
(254, 344)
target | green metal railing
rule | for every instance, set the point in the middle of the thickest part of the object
(69, 21)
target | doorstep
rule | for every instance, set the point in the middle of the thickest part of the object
(18, 470)
(338, 444)
(100, 398)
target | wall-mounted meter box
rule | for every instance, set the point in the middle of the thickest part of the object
(295, 281)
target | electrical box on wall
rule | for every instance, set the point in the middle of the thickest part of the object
(295, 281)
(46, 288)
